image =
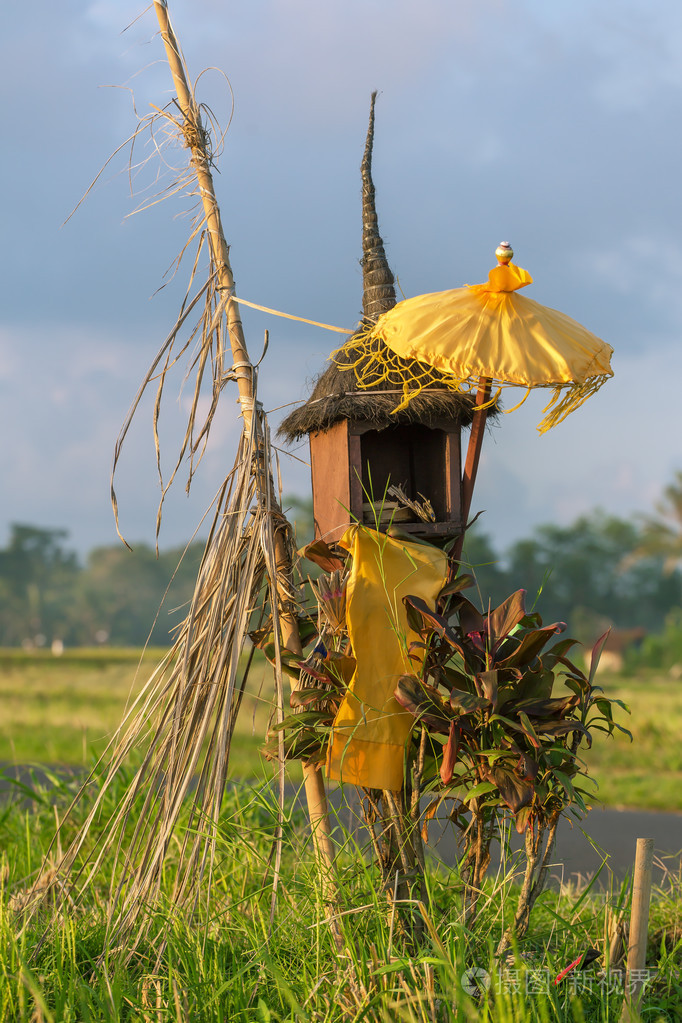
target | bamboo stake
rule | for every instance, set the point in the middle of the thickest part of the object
(639, 928)
(243, 371)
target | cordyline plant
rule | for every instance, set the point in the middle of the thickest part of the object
(501, 714)
(487, 689)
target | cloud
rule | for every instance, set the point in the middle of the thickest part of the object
(545, 123)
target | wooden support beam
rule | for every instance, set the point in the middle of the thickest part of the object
(639, 929)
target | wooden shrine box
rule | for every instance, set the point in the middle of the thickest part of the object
(363, 441)
(353, 464)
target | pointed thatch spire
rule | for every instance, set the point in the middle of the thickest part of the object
(336, 394)
(378, 291)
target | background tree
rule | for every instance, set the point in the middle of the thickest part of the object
(121, 593)
(37, 581)
(600, 571)
(46, 594)
(586, 576)
(480, 557)
(661, 535)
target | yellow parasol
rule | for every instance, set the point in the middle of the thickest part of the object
(485, 335)
(488, 331)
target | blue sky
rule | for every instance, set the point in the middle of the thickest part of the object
(555, 126)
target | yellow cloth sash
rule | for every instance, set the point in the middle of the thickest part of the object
(371, 728)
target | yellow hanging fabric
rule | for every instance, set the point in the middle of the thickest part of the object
(371, 728)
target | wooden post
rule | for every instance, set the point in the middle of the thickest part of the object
(639, 928)
(243, 370)
(472, 459)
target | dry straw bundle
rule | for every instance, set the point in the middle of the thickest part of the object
(193, 697)
(184, 718)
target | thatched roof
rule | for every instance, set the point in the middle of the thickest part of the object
(336, 396)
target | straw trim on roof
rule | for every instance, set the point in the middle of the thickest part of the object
(336, 396)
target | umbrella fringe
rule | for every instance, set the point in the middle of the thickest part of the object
(567, 398)
(373, 364)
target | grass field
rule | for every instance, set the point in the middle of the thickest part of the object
(225, 962)
(646, 772)
(64, 710)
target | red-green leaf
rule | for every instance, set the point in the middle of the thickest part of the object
(558, 707)
(516, 792)
(533, 685)
(528, 729)
(524, 727)
(303, 697)
(506, 617)
(450, 751)
(309, 718)
(565, 782)
(481, 789)
(314, 672)
(424, 702)
(470, 618)
(457, 679)
(462, 582)
(489, 683)
(526, 767)
(467, 703)
(530, 645)
(596, 655)
(423, 619)
(562, 728)
(523, 819)
(558, 652)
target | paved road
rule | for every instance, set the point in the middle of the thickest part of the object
(580, 848)
(611, 834)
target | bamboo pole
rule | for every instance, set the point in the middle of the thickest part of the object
(243, 370)
(194, 139)
(639, 928)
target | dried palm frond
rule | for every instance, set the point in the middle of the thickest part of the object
(207, 342)
(193, 697)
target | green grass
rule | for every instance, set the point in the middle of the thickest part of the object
(646, 772)
(225, 964)
(65, 709)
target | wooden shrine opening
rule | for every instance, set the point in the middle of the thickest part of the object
(353, 464)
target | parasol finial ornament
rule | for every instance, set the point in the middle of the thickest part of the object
(504, 253)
